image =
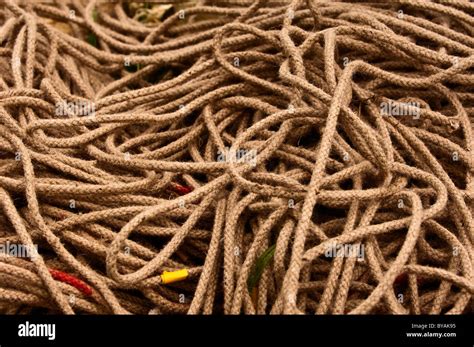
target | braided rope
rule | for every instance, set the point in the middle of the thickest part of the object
(338, 133)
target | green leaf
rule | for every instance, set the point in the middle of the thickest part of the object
(92, 39)
(259, 266)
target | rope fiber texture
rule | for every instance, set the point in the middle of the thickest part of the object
(296, 157)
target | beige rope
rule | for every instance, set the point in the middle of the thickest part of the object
(338, 133)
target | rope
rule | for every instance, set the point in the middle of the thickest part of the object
(322, 149)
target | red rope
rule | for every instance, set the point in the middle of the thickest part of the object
(180, 189)
(73, 281)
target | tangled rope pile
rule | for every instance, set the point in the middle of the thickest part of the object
(252, 144)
